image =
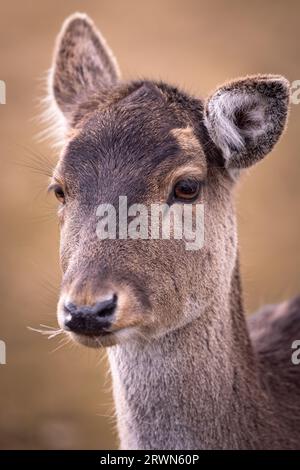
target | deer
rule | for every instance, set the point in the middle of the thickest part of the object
(189, 369)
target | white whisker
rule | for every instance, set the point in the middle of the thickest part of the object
(50, 332)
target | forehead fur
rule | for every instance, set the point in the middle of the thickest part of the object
(187, 139)
(170, 99)
(134, 123)
(141, 128)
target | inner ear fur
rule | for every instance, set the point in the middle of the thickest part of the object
(246, 117)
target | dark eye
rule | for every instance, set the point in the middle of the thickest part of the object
(59, 193)
(187, 190)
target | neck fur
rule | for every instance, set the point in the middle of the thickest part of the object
(195, 388)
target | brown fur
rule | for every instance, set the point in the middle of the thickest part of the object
(185, 372)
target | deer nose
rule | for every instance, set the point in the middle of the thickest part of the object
(90, 320)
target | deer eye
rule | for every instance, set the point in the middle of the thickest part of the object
(187, 190)
(59, 193)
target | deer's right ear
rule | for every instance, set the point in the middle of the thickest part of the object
(83, 64)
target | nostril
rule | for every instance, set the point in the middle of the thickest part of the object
(70, 308)
(106, 307)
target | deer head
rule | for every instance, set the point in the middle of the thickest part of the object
(152, 143)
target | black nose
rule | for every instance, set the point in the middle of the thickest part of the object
(90, 320)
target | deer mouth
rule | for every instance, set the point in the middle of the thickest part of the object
(100, 340)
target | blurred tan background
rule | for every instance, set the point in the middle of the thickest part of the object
(61, 398)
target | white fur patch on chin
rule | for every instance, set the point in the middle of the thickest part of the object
(220, 119)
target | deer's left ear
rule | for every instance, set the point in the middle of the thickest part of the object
(246, 117)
